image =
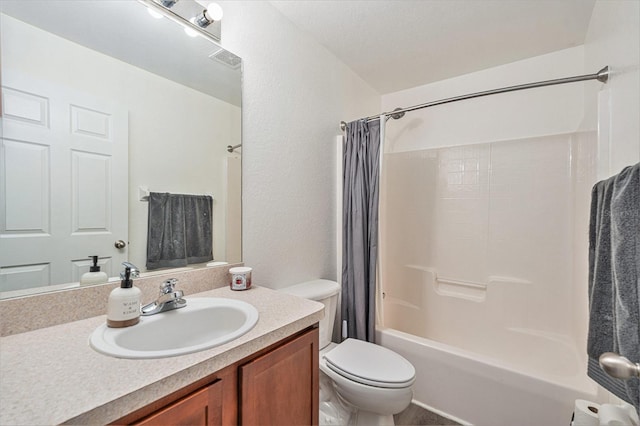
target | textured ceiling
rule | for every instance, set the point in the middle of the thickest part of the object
(394, 45)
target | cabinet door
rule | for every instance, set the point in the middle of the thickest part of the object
(203, 407)
(281, 386)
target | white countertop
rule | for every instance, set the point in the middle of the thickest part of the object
(52, 376)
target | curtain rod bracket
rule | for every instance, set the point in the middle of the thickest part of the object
(603, 75)
(233, 148)
(396, 115)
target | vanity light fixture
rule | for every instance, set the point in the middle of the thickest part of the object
(211, 13)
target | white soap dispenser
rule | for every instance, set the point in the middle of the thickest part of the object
(123, 309)
(94, 276)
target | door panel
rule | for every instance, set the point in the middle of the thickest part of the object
(26, 200)
(91, 195)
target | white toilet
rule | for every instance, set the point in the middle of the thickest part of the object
(370, 381)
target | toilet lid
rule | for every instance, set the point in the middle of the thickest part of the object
(370, 364)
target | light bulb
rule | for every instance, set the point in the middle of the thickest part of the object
(190, 31)
(155, 14)
(211, 14)
(215, 11)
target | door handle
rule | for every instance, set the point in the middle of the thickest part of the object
(618, 366)
(120, 244)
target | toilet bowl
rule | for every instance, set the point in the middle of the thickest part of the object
(371, 383)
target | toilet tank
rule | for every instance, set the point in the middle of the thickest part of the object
(323, 291)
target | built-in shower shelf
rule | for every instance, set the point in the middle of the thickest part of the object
(467, 290)
(472, 290)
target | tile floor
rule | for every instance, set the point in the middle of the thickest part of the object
(415, 415)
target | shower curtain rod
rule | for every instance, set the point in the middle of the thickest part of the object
(233, 148)
(602, 76)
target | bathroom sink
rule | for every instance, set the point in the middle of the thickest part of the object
(203, 324)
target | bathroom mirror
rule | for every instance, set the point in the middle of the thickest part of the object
(102, 103)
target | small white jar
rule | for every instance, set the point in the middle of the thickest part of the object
(240, 278)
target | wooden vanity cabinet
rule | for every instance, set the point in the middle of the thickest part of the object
(278, 385)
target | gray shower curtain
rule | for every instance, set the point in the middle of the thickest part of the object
(360, 227)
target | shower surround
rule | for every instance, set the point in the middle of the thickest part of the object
(484, 252)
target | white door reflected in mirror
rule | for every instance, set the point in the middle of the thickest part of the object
(65, 167)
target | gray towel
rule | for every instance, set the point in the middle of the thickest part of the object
(179, 230)
(614, 278)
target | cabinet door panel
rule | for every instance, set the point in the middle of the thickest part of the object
(203, 407)
(281, 386)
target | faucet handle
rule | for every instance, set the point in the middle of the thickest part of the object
(168, 286)
(135, 272)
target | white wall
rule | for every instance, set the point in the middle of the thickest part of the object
(172, 147)
(613, 39)
(294, 95)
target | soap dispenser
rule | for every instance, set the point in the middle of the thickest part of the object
(123, 309)
(94, 276)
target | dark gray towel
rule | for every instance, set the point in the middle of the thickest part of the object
(614, 278)
(179, 230)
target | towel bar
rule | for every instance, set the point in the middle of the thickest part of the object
(143, 193)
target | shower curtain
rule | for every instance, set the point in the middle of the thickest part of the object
(361, 173)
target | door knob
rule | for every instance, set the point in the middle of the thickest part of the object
(618, 366)
(120, 244)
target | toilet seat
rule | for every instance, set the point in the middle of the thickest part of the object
(370, 364)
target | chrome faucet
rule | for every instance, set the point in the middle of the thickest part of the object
(169, 299)
(135, 272)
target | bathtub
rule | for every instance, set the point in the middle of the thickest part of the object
(479, 390)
